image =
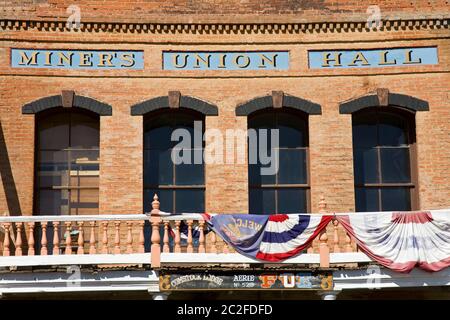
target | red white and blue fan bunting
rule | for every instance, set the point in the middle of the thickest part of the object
(268, 237)
(402, 240)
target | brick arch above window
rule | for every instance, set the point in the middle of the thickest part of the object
(383, 98)
(67, 99)
(278, 100)
(174, 100)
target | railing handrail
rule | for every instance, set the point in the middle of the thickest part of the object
(137, 217)
(74, 218)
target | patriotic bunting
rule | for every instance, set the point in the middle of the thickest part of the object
(402, 240)
(397, 240)
(268, 237)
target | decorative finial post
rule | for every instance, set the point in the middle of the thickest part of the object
(324, 250)
(155, 205)
(155, 221)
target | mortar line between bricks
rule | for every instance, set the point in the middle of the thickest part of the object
(105, 41)
(223, 77)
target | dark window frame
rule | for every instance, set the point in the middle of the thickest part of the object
(277, 186)
(153, 116)
(39, 118)
(408, 118)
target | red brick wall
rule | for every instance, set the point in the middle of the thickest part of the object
(331, 162)
(304, 9)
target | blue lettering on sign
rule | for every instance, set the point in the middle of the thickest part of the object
(77, 59)
(244, 60)
(373, 58)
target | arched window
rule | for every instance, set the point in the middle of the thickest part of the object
(180, 187)
(67, 162)
(383, 159)
(287, 191)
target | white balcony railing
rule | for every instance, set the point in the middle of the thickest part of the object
(154, 239)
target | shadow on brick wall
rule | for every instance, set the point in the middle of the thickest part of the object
(9, 185)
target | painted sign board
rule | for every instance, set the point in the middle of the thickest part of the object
(227, 60)
(372, 58)
(246, 281)
(77, 59)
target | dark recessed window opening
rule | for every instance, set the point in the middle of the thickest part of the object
(67, 162)
(180, 187)
(384, 160)
(287, 191)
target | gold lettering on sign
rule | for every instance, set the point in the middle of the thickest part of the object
(27, 61)
(127, 57)
(408, 58)
(244, 64)
(384, 60)
(64, 59)
(204, 60)
(176, 62)
(105, 60)
(265, 59)
(359, 57)
(336, 59)
(85, 59)
(48, 58)
(222, 61)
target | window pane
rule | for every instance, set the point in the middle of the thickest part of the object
(395, 165)
(392, 131)
(291, 200)
(292, 130)
(262, 201)
(158, 138)
(256, 178)
(396, 199)
(192, 201)
(158, 167)
(84, 133)
(365, 165)
(366, 199)
(292, 168)
(53, 202)
(52, 169)
(83, 201)
(190, 174)
(365, 134)
(165, 197)
(53, 135)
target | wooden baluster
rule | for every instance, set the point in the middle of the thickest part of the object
(190, 247)
(141, 242)
(129, 237)
(225, 248)
(68, 237)
(117, 238)
(6, 242)
(310, 249)
(348, 243)
(56, 238)
(80, 249)
(44, 250)
(177, 246)
(324, 250)
(213, 242)
(201, 238)
(105, 237)
(166, 247)
(18, 239)
(336, 248)
(92, 243)
(31, 251)
(155, 220)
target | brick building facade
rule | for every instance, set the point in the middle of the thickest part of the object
(296, 27)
